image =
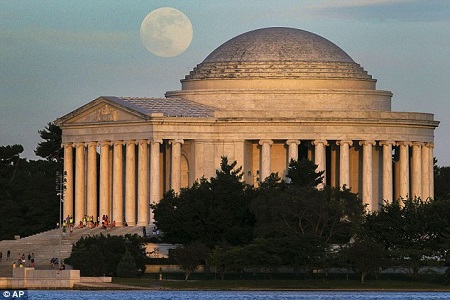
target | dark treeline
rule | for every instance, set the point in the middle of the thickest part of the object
(28, 200)
(234, 227)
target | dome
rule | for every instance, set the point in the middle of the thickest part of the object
(283, 69)
(278, 44)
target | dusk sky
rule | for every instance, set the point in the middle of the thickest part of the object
(57, 55)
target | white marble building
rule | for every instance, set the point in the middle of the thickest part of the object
(261, 98)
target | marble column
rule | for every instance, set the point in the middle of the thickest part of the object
(404, 169)
(175, 173)
(92, 180)
(104, 179)
(265, 159)
(344, 160)
(80, 183)
(320, 159)
(292, 150)
(431, 169)
(367, 187)
(68, 169)
(388, 192)
(143, 184)
(130, 186)
(155, 176)
(425, 172)
(117, 206)
(416, 170)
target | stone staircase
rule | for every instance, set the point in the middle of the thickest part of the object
(45, 245)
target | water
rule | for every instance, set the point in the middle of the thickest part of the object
(235, 295)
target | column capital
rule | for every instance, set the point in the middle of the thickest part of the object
(317, 142)
(404, 143)
(343, 142)
(80, 144)
(387, 143)
(156, 141)
(118, 143)
(91, 144)
(289, 142)
(261, 142)
(129, 142)
(105, 143)
(67, 145)
(416, 143)
(176, 141)
(144, 141)
(367, 143)
(429, 145)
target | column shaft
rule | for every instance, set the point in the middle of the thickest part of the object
(80, 184)
(416, 170)
(104, 179)
(118, 183)
(130, 188)
(175, 175)
(368, 174)
(431, 172)
(320, 159)
(155, 194)
(143, 184)
(425, 172)
(344, 159)
(388, 193)
(292, 150)
(404, 169)
(68, 168)
(265, 158)
(92, 180)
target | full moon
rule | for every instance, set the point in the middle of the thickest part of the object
(166, 32)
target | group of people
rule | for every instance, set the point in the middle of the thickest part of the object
(87, 221)
(21, 260)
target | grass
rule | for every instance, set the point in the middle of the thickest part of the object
(280, 284)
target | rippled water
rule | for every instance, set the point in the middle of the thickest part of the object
(234, 295)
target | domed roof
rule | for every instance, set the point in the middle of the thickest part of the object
(278, 44)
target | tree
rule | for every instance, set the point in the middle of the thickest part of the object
(441, 180)
(189, 257)
(211, 211)
(365, 256)
(127, 266)
(304, 218)
(300, 209)
(9, 159)
(27, 194)
(89, 260)
(111, 249)
(50, 148)
(410, 230)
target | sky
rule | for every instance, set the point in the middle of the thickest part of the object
(57, 55)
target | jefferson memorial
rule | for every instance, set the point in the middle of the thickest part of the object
(262, 98)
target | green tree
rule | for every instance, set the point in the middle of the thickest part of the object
(410, 230)
(111, 249)
(441, 180)
(365, 256)
(89, 260)
(189, 257)
(127, 266)
(50, 147)
(302, 217)
(211, 211)
(27, 194)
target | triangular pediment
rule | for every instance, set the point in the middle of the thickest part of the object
(102, 110)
